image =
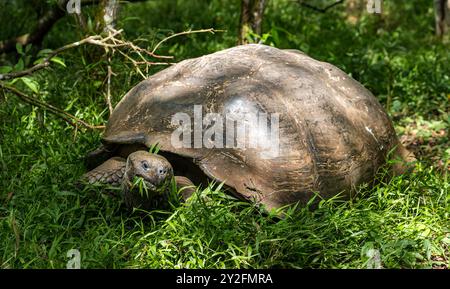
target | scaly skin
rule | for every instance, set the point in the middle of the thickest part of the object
(110, 172)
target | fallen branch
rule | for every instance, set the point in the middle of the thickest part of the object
(94, 40)
(210, 30)
(108, 43)
(44, 25)
(67, 117)
(46, 61)
(108, 88)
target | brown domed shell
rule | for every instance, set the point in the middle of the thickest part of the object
(333, 133)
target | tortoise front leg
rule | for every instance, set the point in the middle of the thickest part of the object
(110, 172)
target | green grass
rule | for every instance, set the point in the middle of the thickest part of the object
(43, 214)
(405, 219)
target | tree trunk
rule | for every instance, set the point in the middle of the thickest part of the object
(107, 15)
(442, 16)
(252, 12)
(110, 13)
(43, 26)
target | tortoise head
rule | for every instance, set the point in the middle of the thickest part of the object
(153, 169)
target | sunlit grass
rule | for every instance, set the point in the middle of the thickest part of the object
(406, 220)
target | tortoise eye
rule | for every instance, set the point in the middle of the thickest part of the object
(145, 165)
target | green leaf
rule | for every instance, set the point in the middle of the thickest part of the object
(97, 83)
(275, 36)
(19, 48)
(446, 240)
(19, 66)
(154, 148)
(44, 52)
(131, 18)
(28, 48)
(90, 25)
(32, 84)
(5, 69)
(40, 60)
(428, 248)
(58, 60)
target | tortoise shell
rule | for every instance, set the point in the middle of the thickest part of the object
(333, 134)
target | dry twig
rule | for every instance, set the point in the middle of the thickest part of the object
(69, 118)
(111, 42)
(210, 30)
(45, 24)
(108, 89)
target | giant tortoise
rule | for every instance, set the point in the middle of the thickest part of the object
(325, 133)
